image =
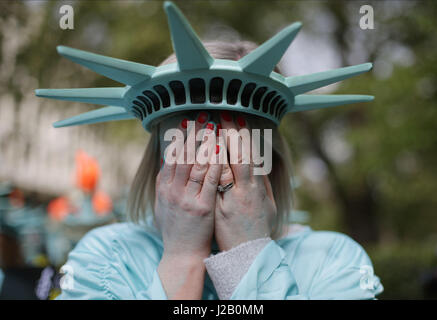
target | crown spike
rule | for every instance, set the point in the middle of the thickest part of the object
(189, 50)
(109, 113)
(126, 72)
(305, 83)
(306, 102)
(263, 59)
(102, 96)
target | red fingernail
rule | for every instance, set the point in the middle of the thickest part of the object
(241, 122)
(210, 126)
(184, 123)
(217, 149)
(226, 115)
(203, 116)
(219, 127)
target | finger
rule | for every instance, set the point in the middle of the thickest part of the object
(193, 140)
(166, 133)
(226, 176)
(171, 153)
(249, 146)
(251, 150)
(241, 171)
(183, 125)
(187, 157)
(211, 181)
(199, 169)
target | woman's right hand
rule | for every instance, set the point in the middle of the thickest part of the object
(184, 209)
(184, 212)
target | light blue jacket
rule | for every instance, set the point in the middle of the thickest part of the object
(120, 261)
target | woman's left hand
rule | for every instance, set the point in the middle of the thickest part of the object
(246, 211)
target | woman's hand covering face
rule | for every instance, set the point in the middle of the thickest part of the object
(186, 193)
(246, 211)
(188, 213)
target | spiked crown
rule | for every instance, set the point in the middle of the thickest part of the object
(198, 81)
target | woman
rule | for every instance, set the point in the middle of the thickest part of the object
(215, 230)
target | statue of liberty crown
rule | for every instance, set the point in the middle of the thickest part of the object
(198, 81)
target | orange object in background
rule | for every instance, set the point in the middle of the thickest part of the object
(87, 172)
(102, 203)
(59, 208)
(87, 178)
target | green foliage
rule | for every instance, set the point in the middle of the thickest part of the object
(403, 268)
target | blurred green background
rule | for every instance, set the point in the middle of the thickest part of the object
(367, 170)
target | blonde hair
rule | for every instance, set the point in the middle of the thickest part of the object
(142, 192)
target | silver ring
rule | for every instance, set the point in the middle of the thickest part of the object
(196, 181)
(226, 187)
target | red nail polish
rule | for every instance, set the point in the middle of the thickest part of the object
(241, 122)
(217, 149)
(226, 115)
(184, 123)
(203, 116)
(210, 126)
(219, 127)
